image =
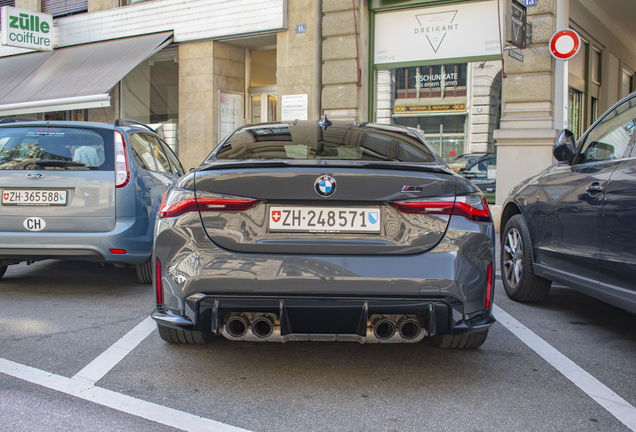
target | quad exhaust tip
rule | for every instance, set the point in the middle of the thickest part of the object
(262, 327)
(384, 329)
(237, 326)
(409, 329)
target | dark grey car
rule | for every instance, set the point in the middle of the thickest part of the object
(310, 231)
(574, 223)
(81, 191)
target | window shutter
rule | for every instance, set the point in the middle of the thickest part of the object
(6, 3)
(63, 7)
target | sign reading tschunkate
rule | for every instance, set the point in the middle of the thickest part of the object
(26, 29)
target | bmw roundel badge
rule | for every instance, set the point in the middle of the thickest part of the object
(325, 186)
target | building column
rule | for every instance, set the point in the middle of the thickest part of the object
(297, 66)
(526, 135)
(342, 84)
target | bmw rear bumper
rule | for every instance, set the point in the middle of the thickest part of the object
(295, 318)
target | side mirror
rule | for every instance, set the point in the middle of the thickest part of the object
(565, 147)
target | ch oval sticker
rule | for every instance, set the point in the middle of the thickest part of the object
(34, 224)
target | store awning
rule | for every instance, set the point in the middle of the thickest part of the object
(76, 77)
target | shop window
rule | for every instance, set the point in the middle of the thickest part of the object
(150, 94)
(73, 115)
(434, 99)
(434, 81)
(445, 133)
(594, 109)
(64, 7)
(575, 111)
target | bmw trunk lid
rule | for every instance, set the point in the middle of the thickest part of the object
(334, 208)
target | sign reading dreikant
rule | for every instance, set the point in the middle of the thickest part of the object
(26, 29)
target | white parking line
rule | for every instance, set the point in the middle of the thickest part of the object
(127, 404)
(107, 360)
(605, 397)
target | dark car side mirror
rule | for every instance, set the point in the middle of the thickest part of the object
(565, 147)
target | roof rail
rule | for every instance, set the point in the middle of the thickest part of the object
(16, 119)
(121, 121)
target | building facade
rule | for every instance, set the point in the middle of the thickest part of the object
(196, 69)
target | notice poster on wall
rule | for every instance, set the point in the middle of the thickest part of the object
(467, 31)
(232, 112)
(294, 107)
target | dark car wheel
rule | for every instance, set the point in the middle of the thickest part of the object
(469, 340)
(144, 272)
(3, 270)
(517, 270)
(172, 335)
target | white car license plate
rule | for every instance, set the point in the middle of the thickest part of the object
(324, 219)
(34, 197)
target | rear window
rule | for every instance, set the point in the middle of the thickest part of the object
(310, 142)
(56, 148)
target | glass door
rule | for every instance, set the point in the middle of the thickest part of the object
(263, 106)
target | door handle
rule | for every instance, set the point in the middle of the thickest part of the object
(594, 188)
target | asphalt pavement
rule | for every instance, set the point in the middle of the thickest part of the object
(58, 317)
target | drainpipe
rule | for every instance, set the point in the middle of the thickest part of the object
(317, 59)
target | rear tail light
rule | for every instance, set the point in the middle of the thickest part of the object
(158, 281)
(489, 287)
(176, 202)
(473, 207)
(122, 173)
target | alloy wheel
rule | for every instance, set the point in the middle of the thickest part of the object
(513, 257)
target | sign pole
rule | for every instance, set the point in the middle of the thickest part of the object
(566, 94)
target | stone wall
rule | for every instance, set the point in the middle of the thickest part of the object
(295, 56)
(97, 5)
(32, 5)
(196, 99)
(342, 88)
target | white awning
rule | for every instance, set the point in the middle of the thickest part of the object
(76, 77)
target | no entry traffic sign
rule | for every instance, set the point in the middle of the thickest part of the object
(564, 44)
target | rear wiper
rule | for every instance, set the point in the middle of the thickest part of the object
(58, 162)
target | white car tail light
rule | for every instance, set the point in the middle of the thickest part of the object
(122, 172)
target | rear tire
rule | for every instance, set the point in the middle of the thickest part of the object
(144, 272)
(517, 269)
(469, 340)
(173, 335)
(3, 270)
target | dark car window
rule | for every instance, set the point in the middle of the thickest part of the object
(162, 160)
(142, 152)
(311, 142)
(174, 161)
(57, 148)
(612, 136)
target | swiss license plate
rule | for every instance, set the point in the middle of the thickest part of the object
(324, 219)
(34, 197)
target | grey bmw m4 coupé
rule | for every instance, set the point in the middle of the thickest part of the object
(324, 231)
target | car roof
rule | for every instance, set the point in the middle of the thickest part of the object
(77, 124)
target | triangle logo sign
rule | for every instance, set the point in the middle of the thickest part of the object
(435, 26)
